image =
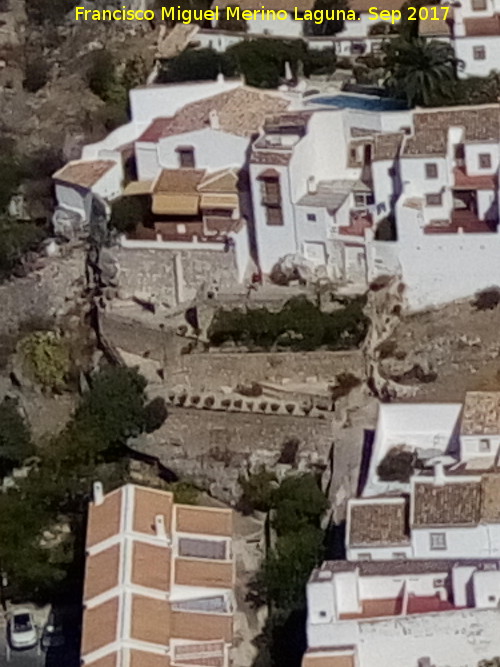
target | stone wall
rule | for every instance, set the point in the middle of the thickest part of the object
(214, 448)
(202, 370)
(44, 293)
(172, 276)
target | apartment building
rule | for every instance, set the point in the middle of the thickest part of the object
(159, 582)
(449, 507)
(420, 613)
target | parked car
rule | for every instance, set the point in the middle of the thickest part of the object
(21, 630)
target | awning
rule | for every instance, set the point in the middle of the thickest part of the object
(175, 204)
(138, 188)
(214, 201)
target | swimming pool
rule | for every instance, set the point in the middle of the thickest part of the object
(361, 102)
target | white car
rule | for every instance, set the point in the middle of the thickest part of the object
(22, 629)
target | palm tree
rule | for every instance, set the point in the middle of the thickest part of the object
(418, 70)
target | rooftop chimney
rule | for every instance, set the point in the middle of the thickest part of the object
(439, 476)
(311, 185)
(213, 118)
(98, 493)
(220, 78)
(160, 526)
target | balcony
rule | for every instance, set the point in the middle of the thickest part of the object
(462, 220)
(359, 221)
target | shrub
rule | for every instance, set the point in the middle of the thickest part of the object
(155, 413)
(398, 465)
(487, 299)
(36, 74)
(232, 24)
(127, 213)
(47, 358)
(289, 448)
(15, 438)
(101, 73)
(195, 65)
(17, 239)
(345, 382)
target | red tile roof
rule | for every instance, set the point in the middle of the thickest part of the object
(482, 182)
(482, 27)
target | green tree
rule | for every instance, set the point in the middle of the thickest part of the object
(262, 61)
(47, 358)
(185, 493)
(327, 27)
(195, 65)
(114, 407)
(11, 175)
(232, 24)
(101, 75)
(417, 70)
(258, 490)
(281, 581)
(36, 74)
(298, 502)
(15, 437)
(155, 413)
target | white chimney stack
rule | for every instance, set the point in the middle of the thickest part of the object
(213, 118)
(439, 476)
(160, 526)
(311, 185)
(98, 493)
(220, 78)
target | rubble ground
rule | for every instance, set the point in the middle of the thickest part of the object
(457, 342)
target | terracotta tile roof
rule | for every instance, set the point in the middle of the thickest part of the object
(211, 654)
(179, 180)
(441, 28)
(482, 27)
(361, 6)
(481, 415)
(201, 627)
(148, 503)
(302, 5)
(110, 660)
(101, 572)
(150, 620)
(100, 626)
(151, 566)
(480, 123)
(397, 567)
(203, 573)
(378, 523)
(312, 660)
(209, 522)
(104, 520)
(483, 182)
(146, 659)
(490, 492)
(224, 180)
(84, 173)
(386, 146)
(278, 158)
(452, 504)
(240, 111)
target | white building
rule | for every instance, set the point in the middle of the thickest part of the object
(472, 27)
(342, 175)
(182, 155)
(403, 614)
(159, 582)
(449, 507)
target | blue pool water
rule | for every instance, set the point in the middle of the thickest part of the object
(364, 103)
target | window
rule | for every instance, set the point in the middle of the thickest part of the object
(322, 614)
(362, 199)
(274, 215)
(479, 53)
(438, 583)
(186, 157)
(433, 200)
(478, 5)
(399, 555)
(484, 445)
(431, 170)
(491, 598)
(311, 217)
(354, 155)
(484, 161)
(437, 541)
(391, 172)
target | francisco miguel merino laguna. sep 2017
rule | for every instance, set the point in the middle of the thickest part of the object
(190, 15)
